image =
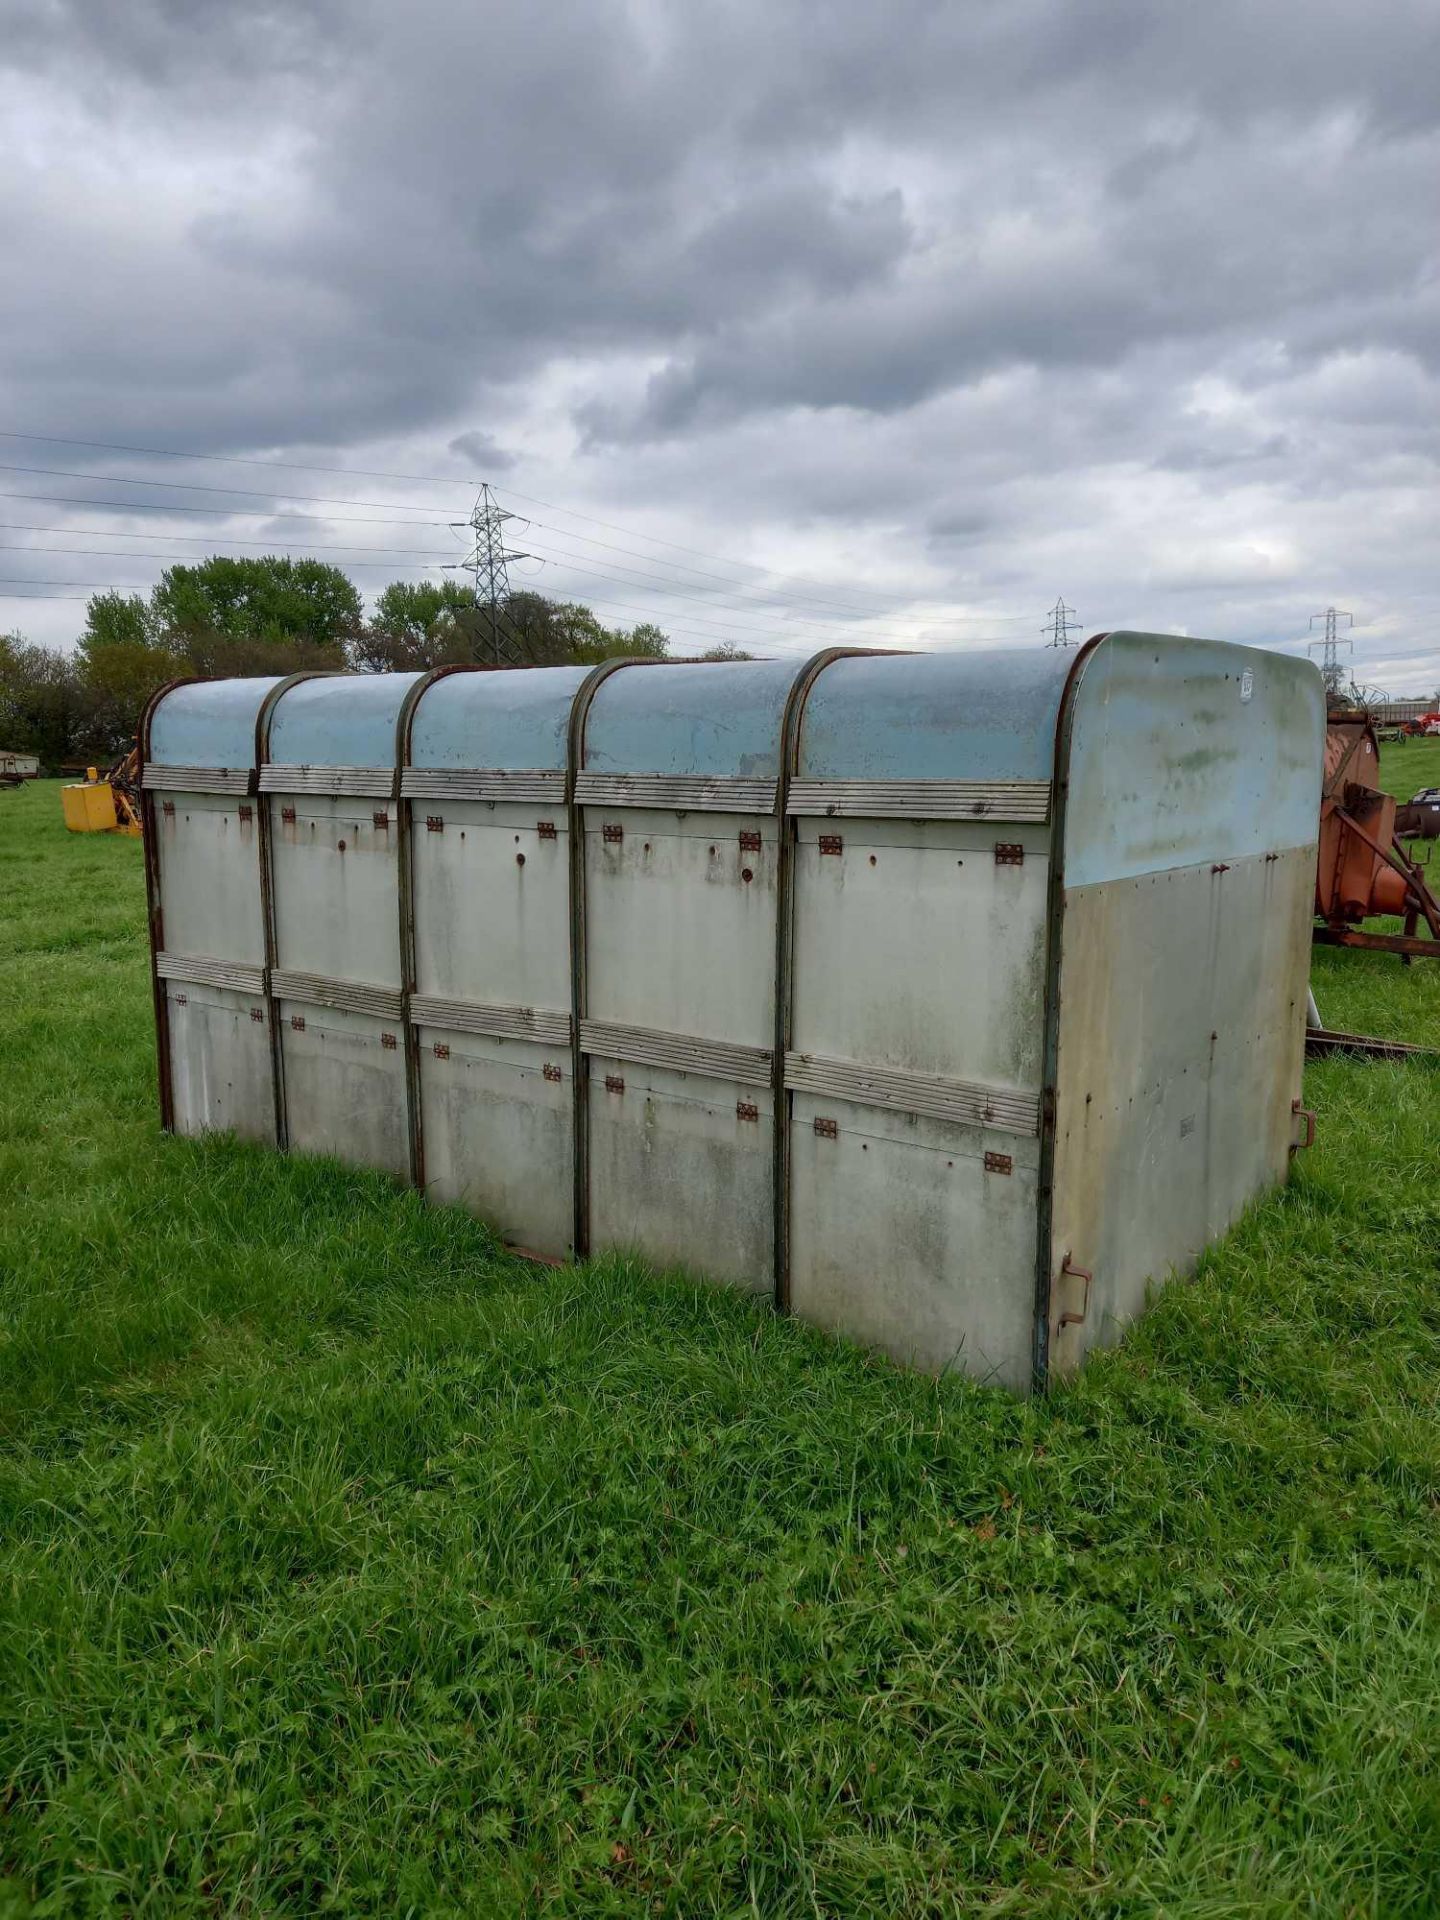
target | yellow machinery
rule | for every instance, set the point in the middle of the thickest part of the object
(108, 803)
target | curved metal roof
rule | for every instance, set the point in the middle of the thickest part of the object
(712, 718)
(512, 721)
(986, 715)
(208, 723)
(339, 720)
(1184, 751)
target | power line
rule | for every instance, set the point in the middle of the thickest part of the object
(224, 513)
(171, 559)
(194, 486)
(419, 479)
(203, 540)
(489, 562)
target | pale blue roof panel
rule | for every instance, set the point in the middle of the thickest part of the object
(510, 721)
(723, 719)
(209, 723)
(339, 720)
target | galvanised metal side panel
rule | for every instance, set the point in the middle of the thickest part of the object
(491, 892)
(492, 900)
(680, 920)
(208, 859)
(498, 1124)
(506, 721)
(715, 719)
(1181, 1046)
(914, 949)
(941, 716)
(1187, 750)
(678, 1175)
(221, 1077)
(340, 720)
(210, 723)
(345, 1091)
(903, 1240)
(1193, 776)
(334, 881)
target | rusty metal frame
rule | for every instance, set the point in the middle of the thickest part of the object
(155, 910)
(1414, 946)
(267, 888)
(405, 897)
(787, 840)
(579, 981)
(1045, 1275)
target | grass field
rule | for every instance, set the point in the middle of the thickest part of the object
(349, 1565)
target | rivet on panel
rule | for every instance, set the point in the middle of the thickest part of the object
(341, 845)
(519, 859)
(746, 875)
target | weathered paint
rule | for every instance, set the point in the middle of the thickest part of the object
(721, 719)
(490, 912)
(895, 982)
(505, 721)
(208, 723)
(334, 899)
(341, 720)
(986, 715)
(205, 875)
(1192, 775)
(681, 917)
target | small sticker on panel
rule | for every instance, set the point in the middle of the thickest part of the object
(1247, 684)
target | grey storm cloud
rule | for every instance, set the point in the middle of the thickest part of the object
(1026, 288)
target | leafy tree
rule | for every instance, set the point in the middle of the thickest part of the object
(727, 650)
(117, 619)
(44, 708)
(265, 598)
(418, 624)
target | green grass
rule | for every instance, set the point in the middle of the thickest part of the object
(349, 1565)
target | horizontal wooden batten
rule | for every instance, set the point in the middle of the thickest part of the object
(158, 779)
(500, 1023)
(680, 1052)
(483, 783)
(361, 783)
(921, 799)
(675, 792)
(963, 1101)
(351, 996)
(202, 969)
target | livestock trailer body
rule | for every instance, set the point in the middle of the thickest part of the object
(950, 998)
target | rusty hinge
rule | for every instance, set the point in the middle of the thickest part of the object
(546, 829)
(613, 1083)
(552, 1072)
(297, 1021)
(442, 1052)
(1307, 1114)
(832, 843)
(287, 814)
(746, 1110)
(389, 1042)
(434, 823)
(182, 999)
(1009, 853)
(1068, 1270)
(1220, 867)
(612, 832)
(258, 1014)
(168, 807)
(751, 842)
(381, 818)
(247, 812)
(999, 1163)
(827, 1129)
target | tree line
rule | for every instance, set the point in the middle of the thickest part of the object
(270, 615)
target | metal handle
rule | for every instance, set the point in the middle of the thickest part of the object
(1070, 1270)
(1307, 1114)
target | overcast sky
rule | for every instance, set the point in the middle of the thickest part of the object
(895, 321)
